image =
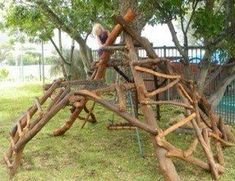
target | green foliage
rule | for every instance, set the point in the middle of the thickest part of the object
(3, 73)
(169, 10)
(28, 20)
(5, 51)
(76, 71)
(208, 23)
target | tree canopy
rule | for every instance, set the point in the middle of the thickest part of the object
(209, 22)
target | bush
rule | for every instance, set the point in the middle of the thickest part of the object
(3, 73)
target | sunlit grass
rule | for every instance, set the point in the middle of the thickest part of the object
(91, 153)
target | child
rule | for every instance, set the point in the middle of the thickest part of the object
(101, 35)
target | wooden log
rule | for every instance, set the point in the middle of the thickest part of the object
(121, 126)
(93, 118)
(7, 161)
(205, 135)
(30, 134)
(115, 109)
(143, 43)
(32, 110)
(191, 148)
(67, 125)
(120, 72)
(52, 103)
(205, 119)
(112, 87)
(19, 129)
(194, 161)
(225, 143)
(207, 151)
(117, 63)
(222, 129)
(158, 74)
(148, 62)
(220, 155)
(102, 64)
(162, 89)
(16, 161)
(184, 92)
(38, 104)
(166, 165)
(88, 114)
(113, 48)
(130, 15)
(180, 104)
(121, 98)
(27, 119)
(177, 125)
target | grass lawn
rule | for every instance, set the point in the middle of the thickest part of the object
(91, 153)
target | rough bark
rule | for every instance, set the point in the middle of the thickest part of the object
(219, 93)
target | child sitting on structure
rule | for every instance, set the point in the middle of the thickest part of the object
(101, 35)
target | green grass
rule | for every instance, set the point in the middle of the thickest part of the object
(92, 153)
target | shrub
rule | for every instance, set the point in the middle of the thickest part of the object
(3, 73)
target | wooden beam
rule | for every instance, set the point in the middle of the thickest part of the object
(130, 15)
(177, 125)
(115, 109)
(187, 106)
(162, 89)
(158, 74)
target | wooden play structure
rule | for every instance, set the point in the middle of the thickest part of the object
(209, 131)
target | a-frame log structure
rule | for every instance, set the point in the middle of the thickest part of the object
(198, 113)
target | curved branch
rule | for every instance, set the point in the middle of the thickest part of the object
(58, 51)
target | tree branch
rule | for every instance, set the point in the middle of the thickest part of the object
(176, 40)
(194, 6)
(58, 51)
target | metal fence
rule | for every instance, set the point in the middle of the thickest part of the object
(226, 107)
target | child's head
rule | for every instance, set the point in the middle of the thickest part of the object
(97, 29)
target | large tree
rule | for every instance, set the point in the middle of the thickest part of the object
(211, 23)
(39, 18)
(208, 21)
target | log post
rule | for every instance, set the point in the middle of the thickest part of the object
(166, 165)
(102, 64)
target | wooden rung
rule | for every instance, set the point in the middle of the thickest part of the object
(38, 104)
(185, 93)
(28, 119)
(162, 89)
(168, 102)
(121, 98)
(191, 148)
(177, 125)
(111, 48)
(7, 161)
(12, 142)
(158, 74)
(220, 139)
(88, 114)
(121, 127)
(19, 129)
(148, 61)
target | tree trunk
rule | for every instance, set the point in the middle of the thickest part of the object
(85, 53)
(166, 165)
(61, 51)
(215, 98)
(204, 67)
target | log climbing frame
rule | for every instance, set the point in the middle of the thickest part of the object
(198, 112)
